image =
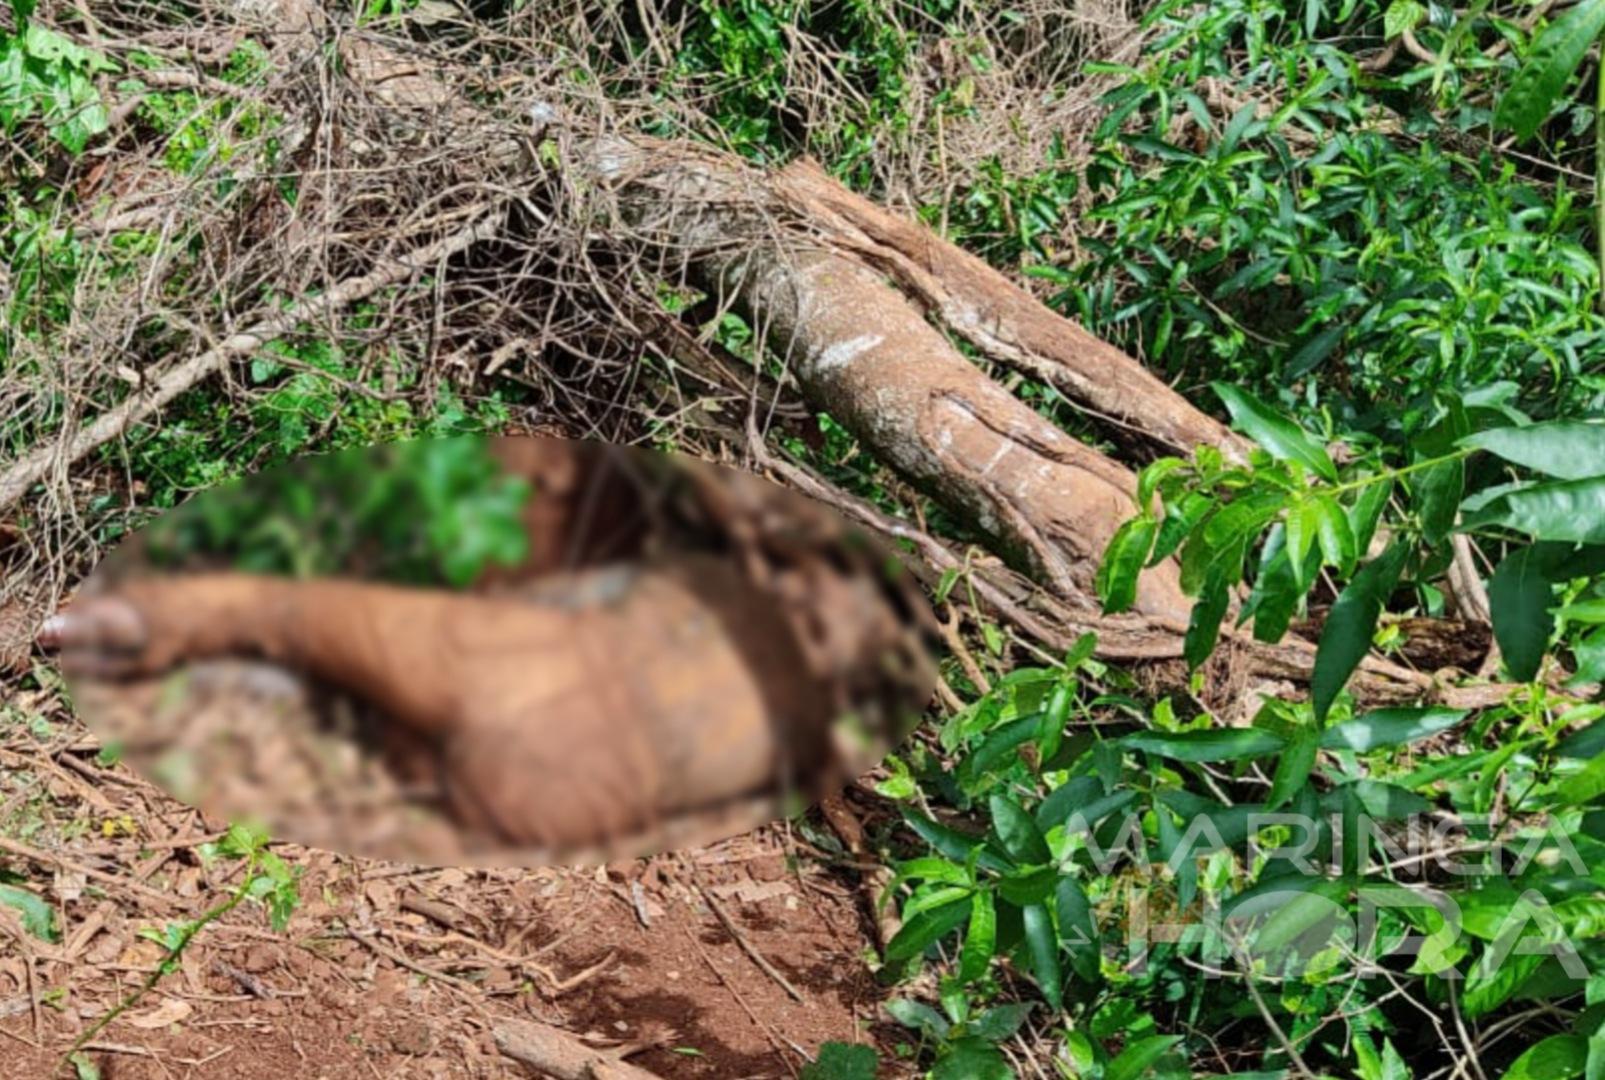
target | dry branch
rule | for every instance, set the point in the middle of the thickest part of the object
(560, 1055)
(40, 463)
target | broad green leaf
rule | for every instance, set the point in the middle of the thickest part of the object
(1559, 1057)
(1548, 67)
(1074, 794)
(972, 1059)
(1203, 625)
(1571, 510)
(1346, 637)
(925, 929)
(918, 1016)
(1589, 651)
(1215, 550)
(1301, 914)
(952, 843)
(37, 917)
(1335, 534)
(999, 747)
(1389, 727)
(1386, 1066)
(1367, 512)
(980, 938)
(1379, 799)
(1180, 520)
(842, 1061)
(1400, 16)
(1017, 832)
(1585, 785)
(1137, 1058)
(1275, 595)
(1002, 1021)
(1076, 926)
(1570, 450)
(1586, 611)
(1211, 744)
(1519, 597)
(1281, 438)
(1302, 526)
(1293, 767)
(1152, 475)
(1585, 743)
(1123, 562)
(1043, 945)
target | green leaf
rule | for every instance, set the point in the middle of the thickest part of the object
(1152, 475)
(1335, 534)
(1178, 524)
(1293, 767)
(1017, 832)
(952, 843)
(1346, 637)
(1280, 437)
(1211, 744)
(37, 917)
(1388, 1066)
(972, 1059)
(1138, 1057)
(1585, 785)
(1123, 562)
(1519, 596)
(1002, 1021)
(1215, 549)
(1572, 510)
(925, 929)
(1203, 625)
(980, 939)
(1548, 67)
(1389, 727)
(1044, 948)
(1367, 511)
(1559, 1057)
(918, 1016)
(1302, 525)
(1570, 450)
(842, 1061)
(1401, 15)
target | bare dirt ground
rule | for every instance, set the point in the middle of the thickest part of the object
(390, 970)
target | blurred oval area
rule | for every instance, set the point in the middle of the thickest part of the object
(507, 651)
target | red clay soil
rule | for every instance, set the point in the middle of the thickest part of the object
(388, 970)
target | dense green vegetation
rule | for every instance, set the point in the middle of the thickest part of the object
(1374, 228)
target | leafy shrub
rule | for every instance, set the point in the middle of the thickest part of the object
(433, 511)
(48, 80)
(1276, 216)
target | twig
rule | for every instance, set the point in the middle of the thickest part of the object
(746, 946)
(37, 465)
(33, 854)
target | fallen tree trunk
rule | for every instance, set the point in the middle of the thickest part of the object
(999, 317)
(860, 350)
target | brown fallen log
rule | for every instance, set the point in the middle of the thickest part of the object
(861, 351)
(999, 317)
